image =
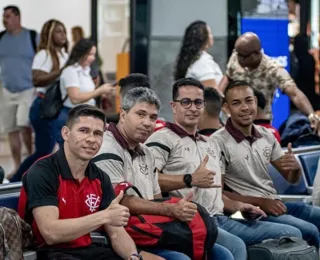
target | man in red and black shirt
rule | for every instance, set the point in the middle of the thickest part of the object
(65, 196)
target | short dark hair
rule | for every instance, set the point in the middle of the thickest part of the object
(235, 84)
(14, 9)
(84, 110)
(213, 102)
(133, 80)
(182, 83)
(261, 100)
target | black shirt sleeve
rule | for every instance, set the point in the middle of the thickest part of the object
(41, 185)
(107, 189)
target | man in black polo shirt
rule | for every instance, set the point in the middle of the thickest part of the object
(65, 197)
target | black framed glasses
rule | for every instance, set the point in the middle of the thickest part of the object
(187, 102)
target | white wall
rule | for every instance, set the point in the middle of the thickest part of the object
(170, 18)
(34, 13)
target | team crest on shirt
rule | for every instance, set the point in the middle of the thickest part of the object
(144, 169)
(211, 152)
(267, 152)
(93, 202)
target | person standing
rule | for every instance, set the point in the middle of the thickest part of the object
(17, 49)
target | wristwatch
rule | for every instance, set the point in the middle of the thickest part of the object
(135, 256)
(187, 179)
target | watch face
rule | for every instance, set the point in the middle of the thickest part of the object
(187, 180)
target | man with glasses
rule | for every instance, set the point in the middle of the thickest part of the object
(188, 161)
(248, 63)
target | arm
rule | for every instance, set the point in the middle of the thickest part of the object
(121, 242)
(78, 97)
(223, 84)
(211, 83)
(41, 78)
(169, 182)
(55, 230)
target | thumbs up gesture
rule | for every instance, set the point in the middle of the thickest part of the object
(288, 161)
(184, 210)
(204, 178)
(116, 214)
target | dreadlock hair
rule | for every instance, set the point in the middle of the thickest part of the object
(46, 41)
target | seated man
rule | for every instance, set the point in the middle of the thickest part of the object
(261, 117)
(124, 158)
(65, 197)
(209, 120)
(189, 162)
(245, 153)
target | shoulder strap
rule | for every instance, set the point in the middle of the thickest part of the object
(33, 35)
(2, 33)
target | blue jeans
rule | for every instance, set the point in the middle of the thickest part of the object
(304, 217)
(45, 139)
(217, 253)
(59, 122)
(250, 232)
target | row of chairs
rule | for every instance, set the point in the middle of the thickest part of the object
(308, 157)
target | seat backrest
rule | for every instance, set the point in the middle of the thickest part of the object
(283, 187)
(309, 162)
(10, 200)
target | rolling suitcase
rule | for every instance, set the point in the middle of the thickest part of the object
(284, 248)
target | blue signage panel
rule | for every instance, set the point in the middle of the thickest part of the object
(275, 43)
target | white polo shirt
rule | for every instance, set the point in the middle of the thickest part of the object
(245, 160)
(123, 164)
(76, 76)
(43, 61)
(205, 68)
(176, 152)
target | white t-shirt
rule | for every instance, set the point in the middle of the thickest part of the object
(205, 68)
(76, 77)
(43, 61)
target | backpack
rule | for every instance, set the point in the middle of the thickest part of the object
(195, 238)
(33, 36)
(52, 102)
(15, 235)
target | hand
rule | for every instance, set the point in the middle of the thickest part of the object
(107, 89)
(245, 207)
(184, 210)
(202, 177)
(117, 214)
(288, 161)
(273, 207)
(315, 123)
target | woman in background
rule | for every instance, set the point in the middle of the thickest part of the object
(194, 60)
(46, 69)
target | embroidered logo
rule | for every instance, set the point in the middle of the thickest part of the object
(247, 157)
(211, 152)
(64, 200)
(267, 152)
(187, 149)
(144, 169)
(93, 202)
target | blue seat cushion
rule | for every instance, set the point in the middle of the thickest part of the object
(309, 163)
(10, 200)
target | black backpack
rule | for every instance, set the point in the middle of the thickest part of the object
(33, 35)
(52, 102)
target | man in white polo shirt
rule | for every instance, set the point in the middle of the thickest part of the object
(124, 158)
(245, 153)
(189, 161)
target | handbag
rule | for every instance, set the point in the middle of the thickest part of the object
(52, 102)
(195, 238)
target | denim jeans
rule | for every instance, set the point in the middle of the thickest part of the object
(218, 252)
(59, 122)
(250, 232)
(45, 139)
(304, 217)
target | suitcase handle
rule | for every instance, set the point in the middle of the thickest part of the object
(283, 240)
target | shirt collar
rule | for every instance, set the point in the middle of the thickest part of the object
(64, 168)
(182, 133)
(262, 121)
(79, 68)
(124, 144)
(207, 131)
(239, 136)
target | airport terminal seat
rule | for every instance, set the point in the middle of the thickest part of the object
(309, 163)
